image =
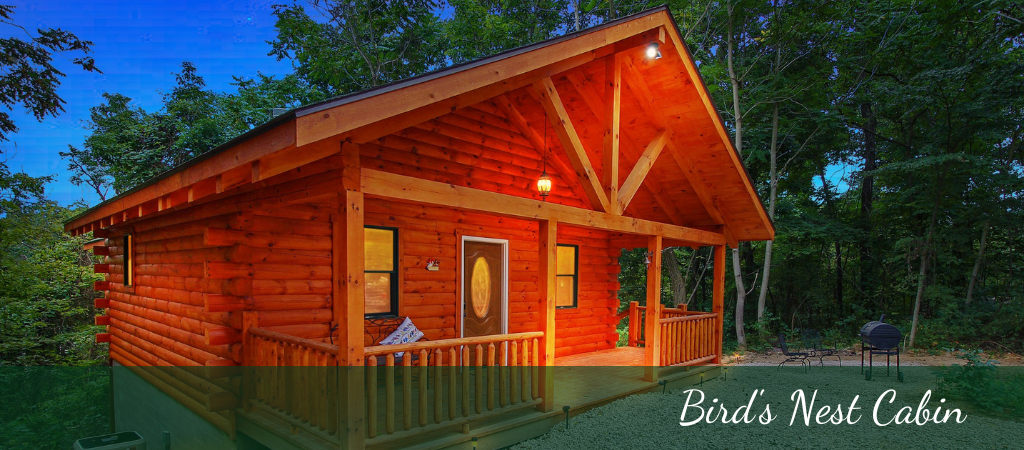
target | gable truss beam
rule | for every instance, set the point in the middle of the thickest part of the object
(548, 97)
(596, 105)
(646, 99)
(640, 170)
(567, 173)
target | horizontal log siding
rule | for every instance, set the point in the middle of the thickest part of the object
(431, 298)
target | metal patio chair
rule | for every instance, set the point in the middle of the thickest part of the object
(800, 357)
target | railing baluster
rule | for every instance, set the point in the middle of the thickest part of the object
(513, 396)
(437, 385)
(491, 375)
(371, 400)
(407, 391)
(502, 369)
(452, 361)
(465, 381)
(389, 392)
(478, 405)
(424, 374)
(535, 375)
(524, 376)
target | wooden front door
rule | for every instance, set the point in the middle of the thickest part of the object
(484, 286)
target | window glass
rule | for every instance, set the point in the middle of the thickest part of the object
(566, 296)
(380, 291)
(380, 250)
(128, 261)
(565, 260)
(567, 278)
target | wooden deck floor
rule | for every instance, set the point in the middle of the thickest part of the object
(612, 357)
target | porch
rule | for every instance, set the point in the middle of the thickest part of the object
(454, 389)
(582, 384)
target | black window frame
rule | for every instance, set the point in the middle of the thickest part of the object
(394, 274)
(128, 260)
(575, 276)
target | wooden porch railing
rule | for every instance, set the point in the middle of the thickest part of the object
(637, 317)
(687, 338)
(423, 385)
(288, 377)
(447, 382)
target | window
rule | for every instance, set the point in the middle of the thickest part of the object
(129, 260)
(381, 271)
(567, 262)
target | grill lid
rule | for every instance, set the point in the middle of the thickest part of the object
(881, 335)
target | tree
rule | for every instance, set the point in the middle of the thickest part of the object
(352, 45)
(480, 28)
(128, 145)
(28, 78)
(45, 290)
(27, 74)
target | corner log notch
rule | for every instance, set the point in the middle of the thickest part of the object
(386, 185)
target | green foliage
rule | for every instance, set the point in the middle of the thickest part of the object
(51, 407)
(347, 46)
(45, 291)
(979, 382)
(931, 94)
(129, 146)
(480, 28)
(27, 74)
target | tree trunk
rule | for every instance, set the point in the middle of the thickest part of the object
(737, 113)
(576, 12)
(773, 182)
(741, 300)
(741, 292)
(839, 278)
(977, 264)
(924, 269)
(867, 196)
(675, 274)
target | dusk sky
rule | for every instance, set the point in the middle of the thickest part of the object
(138, 45)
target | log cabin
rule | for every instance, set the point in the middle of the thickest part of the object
(487, 203)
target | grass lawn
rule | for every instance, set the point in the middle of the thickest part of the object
(653, 420)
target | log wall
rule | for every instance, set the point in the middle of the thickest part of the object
(432, 298)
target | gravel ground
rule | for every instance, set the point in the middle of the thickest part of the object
(653, 420)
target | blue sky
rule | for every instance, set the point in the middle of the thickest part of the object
(138, 45)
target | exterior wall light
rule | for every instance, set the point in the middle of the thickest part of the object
(544, 184)
(653, 52)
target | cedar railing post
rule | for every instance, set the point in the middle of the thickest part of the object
(548, 288)
(634, 325)
(652, 336)
(718, 300)
(348, 303)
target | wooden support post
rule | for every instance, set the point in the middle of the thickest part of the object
(612, 105)
(634, 326)
(548, 288)
(652, 335)
(349, 311)
(718, 300)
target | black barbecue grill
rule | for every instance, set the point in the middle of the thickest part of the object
(880, 338)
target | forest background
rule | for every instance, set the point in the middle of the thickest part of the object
(884, 138)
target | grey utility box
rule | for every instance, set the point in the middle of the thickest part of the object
(128, 440)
